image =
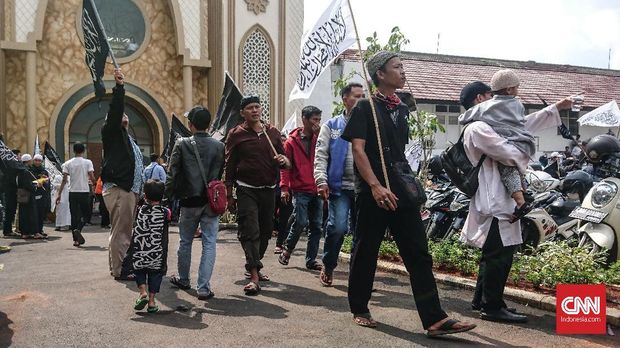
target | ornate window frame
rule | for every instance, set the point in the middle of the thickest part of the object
(147, 33)
(273, 108)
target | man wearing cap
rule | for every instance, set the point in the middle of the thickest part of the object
(28, 213)
(487, 225)
(185, 182)
(379, 207)
(122, 177)
(252, 167)
(76, 172)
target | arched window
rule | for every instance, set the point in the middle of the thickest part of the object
(256, 68)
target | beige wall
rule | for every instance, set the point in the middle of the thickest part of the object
(60, 65)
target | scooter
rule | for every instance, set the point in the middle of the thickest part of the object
(438, 204)
(601, 213)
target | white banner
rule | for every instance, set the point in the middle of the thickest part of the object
(332, 34)
(413, 154)
(291, 124)
(607, 115)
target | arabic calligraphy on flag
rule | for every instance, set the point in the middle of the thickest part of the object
(332, 34)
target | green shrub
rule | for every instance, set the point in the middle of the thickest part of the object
(612, 275)
(347, 244)
(455, 256)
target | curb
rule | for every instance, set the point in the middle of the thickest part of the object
(528, 298)
(231, 226)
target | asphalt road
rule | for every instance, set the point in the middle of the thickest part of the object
(53, 294)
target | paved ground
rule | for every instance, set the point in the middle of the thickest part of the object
(52, 295)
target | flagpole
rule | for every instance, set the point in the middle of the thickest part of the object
(92, 3)
(372, 104)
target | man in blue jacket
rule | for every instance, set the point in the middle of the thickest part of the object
(335, 179)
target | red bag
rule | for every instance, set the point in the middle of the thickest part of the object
(216, 193)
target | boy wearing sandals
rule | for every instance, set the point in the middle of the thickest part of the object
(149, 242)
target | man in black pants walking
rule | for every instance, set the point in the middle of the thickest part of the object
(9, 184)
(80, 170)
(379, 208)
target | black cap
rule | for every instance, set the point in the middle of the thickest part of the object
(200, 117)
(471, 91)
(249, 99)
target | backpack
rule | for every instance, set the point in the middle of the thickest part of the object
(459, 169)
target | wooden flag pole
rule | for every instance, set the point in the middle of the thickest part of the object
(372, 103)
(92, 3)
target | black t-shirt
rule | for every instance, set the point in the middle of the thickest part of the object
(394, 136)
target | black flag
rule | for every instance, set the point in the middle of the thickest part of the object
(96, 45)
(52, 155)
(227, 116)
(177, 130)
(8, 160)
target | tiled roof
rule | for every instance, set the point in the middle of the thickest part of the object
(440, 77)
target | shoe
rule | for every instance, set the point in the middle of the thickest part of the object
(503, 315)
(12, 235)
(478, 308)
(205, 297)
(284, 258)
(176, 281)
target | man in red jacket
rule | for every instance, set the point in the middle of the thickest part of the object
(299, 180)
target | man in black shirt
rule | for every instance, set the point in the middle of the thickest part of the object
(379, 208)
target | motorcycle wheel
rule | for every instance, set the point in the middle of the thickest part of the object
(587, 243)
(436, 230)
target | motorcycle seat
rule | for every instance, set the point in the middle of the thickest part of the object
(563, 208)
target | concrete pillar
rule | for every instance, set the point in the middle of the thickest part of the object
(188, 98)
(31, 99)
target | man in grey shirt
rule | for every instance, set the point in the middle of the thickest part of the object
(335, 179)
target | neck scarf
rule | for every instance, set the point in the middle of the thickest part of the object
(391, 101)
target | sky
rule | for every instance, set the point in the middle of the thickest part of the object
(575, 32)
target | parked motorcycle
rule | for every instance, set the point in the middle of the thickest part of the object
(600, 210)
(438, 205)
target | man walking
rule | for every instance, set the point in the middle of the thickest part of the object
(379, 207)
(122, 177)
(487, 225)
(9, 184)
(252, 167)
(335, 179)
(77, 171)
(155, 171)
(186, 183)
(299, 182)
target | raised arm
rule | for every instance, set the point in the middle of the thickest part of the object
(117, 105)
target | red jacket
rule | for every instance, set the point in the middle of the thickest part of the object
(300, 178)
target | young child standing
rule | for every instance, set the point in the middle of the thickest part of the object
(150, 245)
(506, 115)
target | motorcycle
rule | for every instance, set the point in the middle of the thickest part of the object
(460, 208)
(438, 206)
(600, 210)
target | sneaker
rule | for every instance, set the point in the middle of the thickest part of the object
(176, 281)
(284, 258)
(207, 296)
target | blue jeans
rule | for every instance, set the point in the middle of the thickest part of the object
(340, 207)
(189, 220)
(308, 211)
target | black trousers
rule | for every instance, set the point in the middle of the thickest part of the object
(255, 209)
(103, 210)
(79, 204)
(493, 273)
(10, 209)
(283, 221)
(406, 226)
(42, 208)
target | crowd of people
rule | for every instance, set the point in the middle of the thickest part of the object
(336, 169)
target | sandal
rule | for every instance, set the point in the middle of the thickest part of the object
(326, 278)
(520, 212)
(364, 320)
(278, 250)
(176, 281)
(251, 289)
(284, 258)
(76, 244)
(262, 277)
(447, 328)
(141, 302)
(153, 309)
(316, 266)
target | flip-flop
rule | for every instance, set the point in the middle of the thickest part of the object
(251, 289)
(447, 328)
(141, 302)
(153, 309)
(364, 320)
(4, 249)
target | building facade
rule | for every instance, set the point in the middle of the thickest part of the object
(174, 54)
